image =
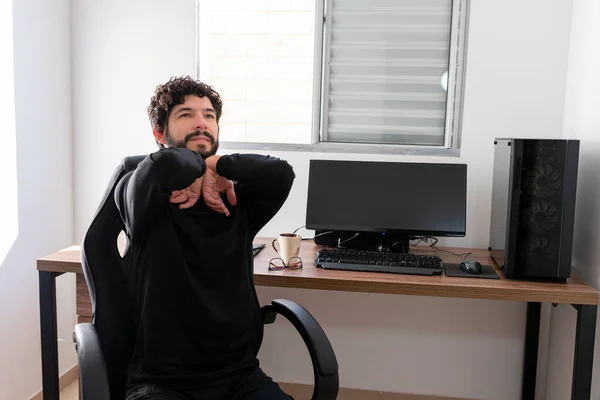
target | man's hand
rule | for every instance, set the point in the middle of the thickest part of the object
(213, 185)
(189, 196)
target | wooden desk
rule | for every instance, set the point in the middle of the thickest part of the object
(575, 292)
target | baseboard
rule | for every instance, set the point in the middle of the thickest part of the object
(65, 380)
(304, 392)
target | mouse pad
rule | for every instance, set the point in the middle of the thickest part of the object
(487, 272)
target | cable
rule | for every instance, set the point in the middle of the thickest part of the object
(433, 245)
(315, 236)
(420, 239)
(395, 243)
(415, 244)
(347, 240)
(454, 254)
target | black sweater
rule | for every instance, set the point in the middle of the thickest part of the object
(190, 271)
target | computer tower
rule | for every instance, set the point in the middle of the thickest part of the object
(533, 207)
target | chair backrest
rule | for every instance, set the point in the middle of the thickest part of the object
(106, 281)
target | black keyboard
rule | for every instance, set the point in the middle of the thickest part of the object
(375, 261)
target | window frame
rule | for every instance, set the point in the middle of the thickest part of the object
(454, 103)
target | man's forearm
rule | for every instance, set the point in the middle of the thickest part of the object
(141, 193)
(265, 183)
(254, 170)
(174, 168)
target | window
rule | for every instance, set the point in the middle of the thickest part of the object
(336, 74)
(259, 55)
(8, 161)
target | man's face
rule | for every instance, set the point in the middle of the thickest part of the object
(192, 125)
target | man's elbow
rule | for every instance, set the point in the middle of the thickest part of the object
(286, 175)
(176, 167)
(165, 159)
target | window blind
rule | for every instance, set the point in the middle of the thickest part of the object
(386, 71)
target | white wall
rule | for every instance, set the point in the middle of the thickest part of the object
(120, 50)
(515, 81)
(44, 188)
(581, 121)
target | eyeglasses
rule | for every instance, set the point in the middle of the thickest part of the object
(277, 264)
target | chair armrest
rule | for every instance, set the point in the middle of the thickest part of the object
(92, 369)
(321, 353)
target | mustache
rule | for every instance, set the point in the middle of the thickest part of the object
(209, 135)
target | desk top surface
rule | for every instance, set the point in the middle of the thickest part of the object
(575, 291)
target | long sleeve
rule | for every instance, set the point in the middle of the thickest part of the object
(144, 193)
(264, 181)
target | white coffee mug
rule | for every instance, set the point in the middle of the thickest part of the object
(289, 245)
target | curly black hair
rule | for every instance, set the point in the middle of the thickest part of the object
(172, 93)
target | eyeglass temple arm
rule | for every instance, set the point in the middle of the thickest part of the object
(321, 353)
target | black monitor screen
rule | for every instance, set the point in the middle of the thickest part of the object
(413, 198)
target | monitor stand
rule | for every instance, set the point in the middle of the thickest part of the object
(394, 243)
(371, 241)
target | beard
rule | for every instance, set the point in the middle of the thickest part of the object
(204, 149)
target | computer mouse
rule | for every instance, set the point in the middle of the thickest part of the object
(472, 267)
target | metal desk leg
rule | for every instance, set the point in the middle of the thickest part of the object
(532, 338)
(49, 336)
(584, 352)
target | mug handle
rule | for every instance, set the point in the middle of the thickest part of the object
(273, 244)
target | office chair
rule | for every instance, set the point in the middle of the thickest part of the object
(105, 345)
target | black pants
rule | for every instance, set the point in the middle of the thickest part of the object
(256, 386)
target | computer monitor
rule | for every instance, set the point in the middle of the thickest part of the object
(386, 201)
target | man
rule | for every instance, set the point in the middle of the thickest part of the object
(189, 257)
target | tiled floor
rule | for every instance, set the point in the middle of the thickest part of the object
(71, 392)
